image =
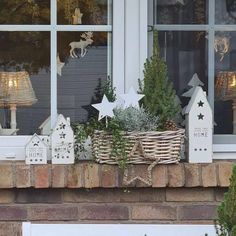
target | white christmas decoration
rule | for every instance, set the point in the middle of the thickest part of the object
(62, 142)
(131, 98)
(60, 65)
(36, 151)
(199, 128)
(82, 44)
(105, 108)
(77, 17)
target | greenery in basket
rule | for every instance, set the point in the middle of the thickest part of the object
(226, 221)
(160, 96)
(158, 108)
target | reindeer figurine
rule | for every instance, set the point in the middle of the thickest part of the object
(82, 44)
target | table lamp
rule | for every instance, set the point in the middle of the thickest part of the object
(16, 90)
(226, 90)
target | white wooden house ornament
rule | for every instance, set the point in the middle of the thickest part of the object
(36, 151)
(62, 142)
(199, 128)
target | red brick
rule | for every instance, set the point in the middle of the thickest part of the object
(159, 176)
(13, 213)
(192, 175)
(209, 175)
(58, 176)
(7, 196)
(10, 229)
(104, 212)
(55, 213)
(176, 175)
(197, 212)
(147, 212)
(6, 176)
(39, 196)
(91, 195)
(75, 176)
(109, 176)
(189, 194)
(23, 176)
(91, 175)
(41, 176)
(224, 173)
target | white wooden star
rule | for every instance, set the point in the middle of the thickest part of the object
(59, 65)
(105, 108)
(131, 98)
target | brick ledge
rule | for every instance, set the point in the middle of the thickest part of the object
(92, 175)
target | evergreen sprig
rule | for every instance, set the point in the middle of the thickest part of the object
(159, 93)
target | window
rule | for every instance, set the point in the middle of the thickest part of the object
(199, 37)
(64, 48)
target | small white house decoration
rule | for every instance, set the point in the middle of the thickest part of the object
(36, 151)
(199, 128)
(62, 142)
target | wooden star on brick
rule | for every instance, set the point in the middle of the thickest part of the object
(135, 173)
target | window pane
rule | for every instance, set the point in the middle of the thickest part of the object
(24, 12)
(82, 72)
(84, 12)
(225, 82)
(225, 12)
(180, 11)
(24, 79)
(185, 54)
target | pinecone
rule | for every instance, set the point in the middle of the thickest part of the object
(170, 125)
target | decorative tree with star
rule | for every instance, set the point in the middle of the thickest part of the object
(160, 96)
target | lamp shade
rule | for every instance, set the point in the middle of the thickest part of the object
(226, 85)
(16, 89)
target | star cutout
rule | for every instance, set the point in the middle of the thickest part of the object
(62, 135)
(59, 65)
(105, 108)
(200, 116)
(131, 98)
(200, 104)
(62, 126)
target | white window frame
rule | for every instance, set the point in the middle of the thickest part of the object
(13, 147)
(29, 229)
(129, 52)
(224, 145)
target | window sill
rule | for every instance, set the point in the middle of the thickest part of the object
(92, 175)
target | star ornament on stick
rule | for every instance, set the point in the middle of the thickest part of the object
(105, 108)
(131, 98)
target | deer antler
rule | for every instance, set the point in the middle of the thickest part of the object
(87, 35)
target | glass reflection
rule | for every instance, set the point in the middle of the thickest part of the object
(25, 12)
(84, 12)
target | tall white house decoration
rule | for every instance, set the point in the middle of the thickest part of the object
(62, 142)
(36, 151)
(199, 128)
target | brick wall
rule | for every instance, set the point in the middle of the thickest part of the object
(92, 193)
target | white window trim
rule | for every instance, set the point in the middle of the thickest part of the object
(129, 42)
(29, 229)
(220, 150)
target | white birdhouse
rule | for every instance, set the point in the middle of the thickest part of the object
(36, 151)
(199, 129)
(62, 141)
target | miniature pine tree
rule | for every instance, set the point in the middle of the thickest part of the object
(226, 222)
(159, 93)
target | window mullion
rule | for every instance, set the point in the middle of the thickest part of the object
(53, 62)
(211, 53)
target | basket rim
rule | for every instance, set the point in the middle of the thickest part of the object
(179, 130)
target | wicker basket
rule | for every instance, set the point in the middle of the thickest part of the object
(141, 147)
